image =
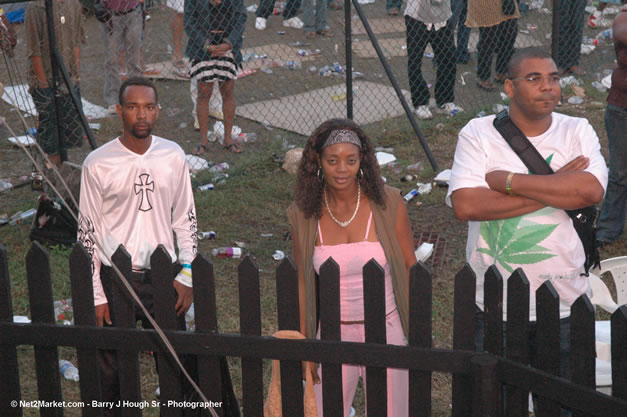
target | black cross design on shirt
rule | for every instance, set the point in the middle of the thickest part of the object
(142, 188)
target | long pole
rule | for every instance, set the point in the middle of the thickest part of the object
(348, 41)
(397, 88)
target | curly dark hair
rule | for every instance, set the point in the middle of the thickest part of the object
(308, 193)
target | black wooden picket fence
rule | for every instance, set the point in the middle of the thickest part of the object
(478, 378)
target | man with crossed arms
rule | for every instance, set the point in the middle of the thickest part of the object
(516, 219)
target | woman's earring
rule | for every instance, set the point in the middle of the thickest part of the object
(320, 175)
(360, 175)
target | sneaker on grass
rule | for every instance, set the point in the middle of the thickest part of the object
(423, 112)
(260, 23)
(293, 22)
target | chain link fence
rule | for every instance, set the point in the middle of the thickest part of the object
(249, 68)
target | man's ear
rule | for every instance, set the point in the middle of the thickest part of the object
(509, 87)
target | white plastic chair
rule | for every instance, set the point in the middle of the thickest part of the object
(602, 298)
(618, 268)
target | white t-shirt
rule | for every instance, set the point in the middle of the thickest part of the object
(543, 243)
(138, 201)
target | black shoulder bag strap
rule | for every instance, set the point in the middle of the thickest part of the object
(584, 219)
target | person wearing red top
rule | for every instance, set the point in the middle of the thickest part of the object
(612, 220)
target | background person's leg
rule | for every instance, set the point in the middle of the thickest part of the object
(612, 220)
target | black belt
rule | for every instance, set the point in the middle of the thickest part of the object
(123, 12)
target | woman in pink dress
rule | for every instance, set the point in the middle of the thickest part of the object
(343, 209)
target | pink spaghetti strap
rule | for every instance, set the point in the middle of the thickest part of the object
(368, 228)
(320, 233)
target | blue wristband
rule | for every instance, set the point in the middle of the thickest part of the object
(189, 266)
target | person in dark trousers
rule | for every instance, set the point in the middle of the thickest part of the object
(290, 14)
(460, 10)
(519, 220)
(69, 35)
(571, 22)
(612, 220)
(136, 191)
(498, 28)
(430, 23)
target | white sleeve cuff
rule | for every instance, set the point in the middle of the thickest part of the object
(185, 277)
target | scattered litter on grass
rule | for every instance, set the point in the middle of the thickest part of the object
(575, 100)
(278, 255)
(221, 167)
(415, 167)
(498, 107)
(267, 235)
(172, 111)
(423, 188)
(5, 185)
(424, 251)
(606, 34)
(384, 158)
(599, 86)
(195, 163)
(240, 244)
(570, 80)
(410, 195)
(63, 312)
(22, 217)
(22, 140)
(206, 187)
(587, 49)
(443, 178)
(207, 235)
(21, 319)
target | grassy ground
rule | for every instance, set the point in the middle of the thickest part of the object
(252, 202)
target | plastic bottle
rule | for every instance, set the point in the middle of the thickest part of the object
(21, 216)
(221, 167)
(68, 370)
(207, 235)
(246, 137)
(205, 187)
(227, 252)
(5, 185)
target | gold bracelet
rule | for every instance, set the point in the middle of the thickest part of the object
(508, 183)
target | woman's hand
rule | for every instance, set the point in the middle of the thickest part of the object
(313, 368)
(219, 50)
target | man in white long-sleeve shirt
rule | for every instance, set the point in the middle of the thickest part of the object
(136, 191)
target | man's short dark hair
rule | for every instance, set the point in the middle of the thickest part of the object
(137, 81)
(521, 55)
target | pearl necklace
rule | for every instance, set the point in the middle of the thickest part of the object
(347, 222)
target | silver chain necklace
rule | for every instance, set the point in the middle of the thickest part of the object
(347, 222)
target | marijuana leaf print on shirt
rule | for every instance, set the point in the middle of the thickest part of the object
(510, 242)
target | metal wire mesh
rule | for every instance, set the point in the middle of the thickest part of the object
(290, 60)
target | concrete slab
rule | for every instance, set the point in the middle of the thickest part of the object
(372, 102)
